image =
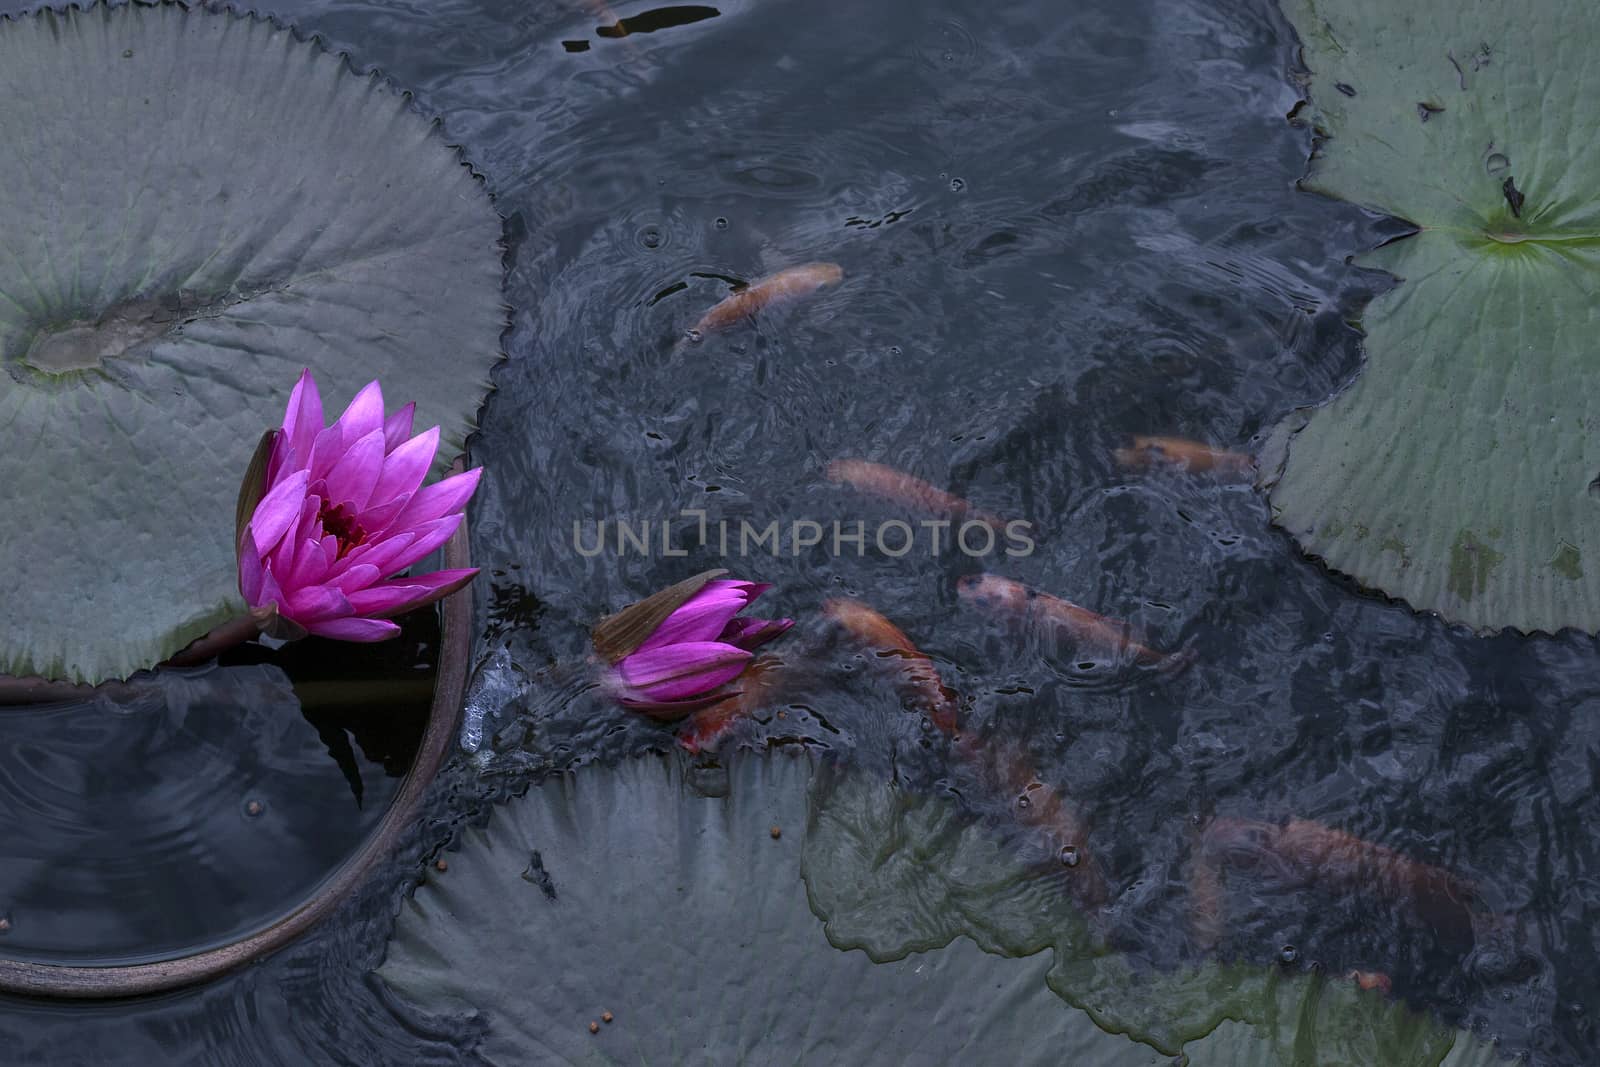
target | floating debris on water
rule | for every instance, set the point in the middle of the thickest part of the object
(496, 683)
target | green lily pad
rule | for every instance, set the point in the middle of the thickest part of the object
(1459, 471)
(195, 205)
(895, 873)
(627, 891)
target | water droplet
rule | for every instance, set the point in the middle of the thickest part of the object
(694, 336)
(957, 185)
(721, 223)
(1069, 855)
(1497, 164)
(650, 237)
(926, 724)
(254, 807)
(894, 350)
(949, 57)
(1288, 954)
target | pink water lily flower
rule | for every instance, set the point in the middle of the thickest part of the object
(342, 510)
(699, 647)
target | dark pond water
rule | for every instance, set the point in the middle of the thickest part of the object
(1060, 224)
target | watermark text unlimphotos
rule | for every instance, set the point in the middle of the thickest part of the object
(742, 538)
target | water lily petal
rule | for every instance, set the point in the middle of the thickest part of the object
(303, 419)
(250, 569)
(355, 629)
(379, 554)
(748, 633)
(429, 537)
(357, 471)
(270, 592)
(326, 448)
(397, 427)
(364, 414)
(748, 590)
(313, 603)
(408, 594)
(310, 567)
(682, 670)
(354, 578)
(277, 511)
(700, 618)
(381, 516)
(403, 471)
(439, 499)
(280, 460)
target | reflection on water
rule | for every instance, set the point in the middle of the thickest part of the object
(188, 807)
(1061, 227)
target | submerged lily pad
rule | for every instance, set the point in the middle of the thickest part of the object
(685, 917)
(632, 891)
(1459, 472)
(895, 873)
(193, 206)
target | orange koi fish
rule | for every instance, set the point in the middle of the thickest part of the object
(991, 590)
(1314, 853)
(1041, 806)
(1183, 454)
(1372, 980)
(703, 730)
(1034, 803)
(905, 490)
(788, 284)
(888, 641)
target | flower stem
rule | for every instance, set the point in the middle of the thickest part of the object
(202, 649)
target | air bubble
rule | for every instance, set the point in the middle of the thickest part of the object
(1024, 803)
(694, 336)
(1497, 164)
(650, 237)
(1069, 856)
(1288, 954)
(721, 223)
(957, 185)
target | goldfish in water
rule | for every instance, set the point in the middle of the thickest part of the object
(908, 491)
(785, 285)
(1042, 807)
(991, 590)
(1314, 854)
(758, 686)
(1187, 455)
(1034, 803)
(1372, 980)
(889, 642)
